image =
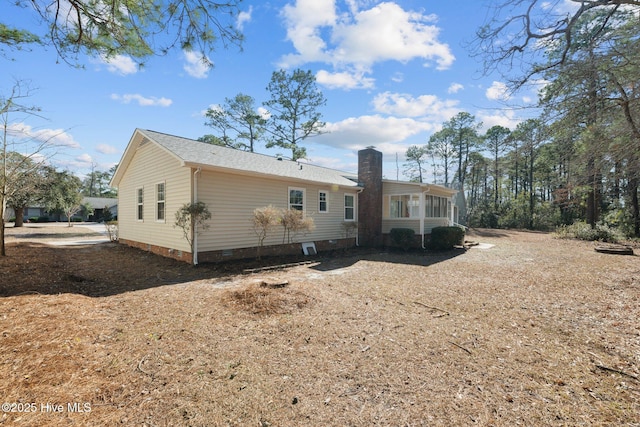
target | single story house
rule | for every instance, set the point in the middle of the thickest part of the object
(159, 173)
(100, 206)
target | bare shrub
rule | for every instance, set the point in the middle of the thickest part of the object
(112, 230)
(192, 218)
(293, 221)
(349, 228)
(263, 220)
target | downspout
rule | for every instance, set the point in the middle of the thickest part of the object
(195, 224)
(357, 214)
(452, 216)
(423, 212)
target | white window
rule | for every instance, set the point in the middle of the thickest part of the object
(160, 201)
(436, 207)
(140, 204)
(404, 206)
(349, 207)
(323, 201)
(296, 199)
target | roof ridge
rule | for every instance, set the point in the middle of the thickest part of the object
(236, 150)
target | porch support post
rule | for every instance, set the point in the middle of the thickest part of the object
(452, 216)
(421, 214)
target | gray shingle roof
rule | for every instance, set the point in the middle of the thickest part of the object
(100, 202)
(195, 153)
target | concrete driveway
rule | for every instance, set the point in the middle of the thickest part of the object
(82, 233)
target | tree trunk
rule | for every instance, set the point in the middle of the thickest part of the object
(19, 212)
(3, 208)
(532, 199)
(635, 208)
(592, 195)
(2, 250)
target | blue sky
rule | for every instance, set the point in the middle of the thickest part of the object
(391, 72)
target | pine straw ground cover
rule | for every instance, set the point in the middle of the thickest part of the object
(533, 331)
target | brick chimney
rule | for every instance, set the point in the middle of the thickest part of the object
(370, 199)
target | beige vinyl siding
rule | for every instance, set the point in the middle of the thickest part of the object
(431, 223)
(150, 166)
(440, 192)
(391, 187)
(401, 188)
(388, 224)
(232, 199)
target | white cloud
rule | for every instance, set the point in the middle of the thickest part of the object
(344, 163)
(121, 64)
(243, 18)
(428, 107)
(505, 118)
(455, 88)
(498, 92)
(355, 133)
(357, 39)
(561, 8)
(304, 21)
(387, 32)
(106, 149)
(142, 100)
(397, 77)
(197, 65)
(84, 159)
(34, 138)
(263, 112)
(344, 80)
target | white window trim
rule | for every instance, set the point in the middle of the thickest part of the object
(164, 201)
(139, 203)
(441, 207)
(412, 196)
(326, 201)
(304, 197)
(353, 196)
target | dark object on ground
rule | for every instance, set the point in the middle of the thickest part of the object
(614, 249)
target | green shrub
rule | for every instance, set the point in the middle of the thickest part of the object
(403, 237)
(38, 219)
(620, 218)
(107, 215)
(582, 231)
(444, 238)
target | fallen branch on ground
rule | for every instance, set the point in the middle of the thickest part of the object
(617, 371)
(459, 346)
(446, 313)
(277, 267)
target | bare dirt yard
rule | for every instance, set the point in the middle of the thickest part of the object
(530, 331)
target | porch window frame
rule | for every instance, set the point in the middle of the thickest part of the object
(140, 204)
(412, 209)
